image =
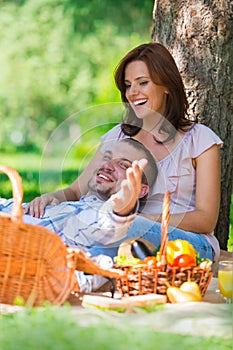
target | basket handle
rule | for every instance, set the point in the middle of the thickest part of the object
(164, 228)
(82, 262)
(17, 191)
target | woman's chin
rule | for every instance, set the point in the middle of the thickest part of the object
(142, 114)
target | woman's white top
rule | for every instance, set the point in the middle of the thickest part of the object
(176, 173)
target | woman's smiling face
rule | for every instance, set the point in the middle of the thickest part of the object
(141, 92)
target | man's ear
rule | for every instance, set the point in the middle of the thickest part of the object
(144, 191)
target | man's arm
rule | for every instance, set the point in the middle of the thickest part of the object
(110, 222)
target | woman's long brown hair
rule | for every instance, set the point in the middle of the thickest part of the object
(163, 71)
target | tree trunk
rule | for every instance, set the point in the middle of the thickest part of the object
(198, 34)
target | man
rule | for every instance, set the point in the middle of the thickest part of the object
(104, 215)
(101, 217)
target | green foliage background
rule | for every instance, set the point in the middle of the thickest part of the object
(57, 58)
(57, 93)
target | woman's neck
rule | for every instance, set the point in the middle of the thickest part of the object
(154, 142)
(153, 123)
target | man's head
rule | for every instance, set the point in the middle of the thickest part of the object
(108, 176)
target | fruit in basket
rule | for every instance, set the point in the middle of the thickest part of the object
(205, 264)
(139, 250)
(185, 260)
(180, 253)
(123, 260)
(150, 261)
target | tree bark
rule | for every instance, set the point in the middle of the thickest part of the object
(198, 34)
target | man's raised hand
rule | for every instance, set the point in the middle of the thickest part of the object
(125, 199)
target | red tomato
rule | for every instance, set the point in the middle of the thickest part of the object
(184, 260)
(150, 261)
(177, 248)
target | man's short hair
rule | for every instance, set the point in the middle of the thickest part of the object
(151, 171)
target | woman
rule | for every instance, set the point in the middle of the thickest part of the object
(187, 153)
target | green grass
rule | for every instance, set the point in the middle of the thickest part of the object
(59, 328)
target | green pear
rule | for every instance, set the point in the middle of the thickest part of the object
(191, 287)
(176, 295)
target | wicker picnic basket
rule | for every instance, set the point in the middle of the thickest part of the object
(143, 279)
(35, 265)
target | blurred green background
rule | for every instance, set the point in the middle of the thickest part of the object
(57, 92)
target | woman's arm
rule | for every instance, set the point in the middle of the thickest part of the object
(71, 193)
(204, 218)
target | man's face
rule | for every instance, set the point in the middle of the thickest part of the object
(107, 178)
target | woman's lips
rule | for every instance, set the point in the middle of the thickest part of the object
(140, 102)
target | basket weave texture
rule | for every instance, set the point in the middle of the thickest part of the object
(34, 262)
(143, 279)
(140, 279)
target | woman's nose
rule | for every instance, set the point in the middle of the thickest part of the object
(132, 90)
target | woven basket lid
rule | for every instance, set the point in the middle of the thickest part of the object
(34, 262)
